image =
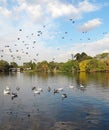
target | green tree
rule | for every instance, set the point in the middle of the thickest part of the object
(69, 66)
(95, 65)
(42, 66)
(4, 66)
(83, 56)
(13, 65)
(53, 66)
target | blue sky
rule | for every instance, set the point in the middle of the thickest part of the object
(67, 27)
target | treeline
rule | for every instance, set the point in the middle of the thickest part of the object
(80, 62)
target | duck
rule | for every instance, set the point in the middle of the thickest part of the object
(81, 86)
(49, 89)
(37, 92)
(39, 89)
(13, 95)
(17, 88)
(71, 86)
(7, 90)
(60, 89)
(33, 88)
(56, 91)
(64, 95)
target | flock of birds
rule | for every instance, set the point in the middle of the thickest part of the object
(24, 44)
(38, 90)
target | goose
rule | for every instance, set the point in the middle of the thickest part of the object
(64, 95)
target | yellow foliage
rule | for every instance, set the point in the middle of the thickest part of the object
(82, 65)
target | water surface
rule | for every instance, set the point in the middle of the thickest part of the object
(84, 108)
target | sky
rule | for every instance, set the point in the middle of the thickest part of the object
(52, 30)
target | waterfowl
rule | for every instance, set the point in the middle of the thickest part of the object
(13, 95)
(17, 88)
(36, 91)
(7, 88)
(81, 86)
(49, 89)
(39, 89)
(64, 95)
(6, 92)
(60, 89)
(71, 86)
(56, 91)
(33, 88)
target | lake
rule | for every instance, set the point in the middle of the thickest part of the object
(86, 106)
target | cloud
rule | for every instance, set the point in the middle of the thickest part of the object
(58, 9)
(61, 55)
(91, 48)
(5, 12)
(31, 15)
(90, 25)
(3, 2)
(86, 7)
(40, 10)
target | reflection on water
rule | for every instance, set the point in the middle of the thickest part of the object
(85, 108)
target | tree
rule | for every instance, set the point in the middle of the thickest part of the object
(70, 66)
(95, 65)
(42, 66)
(83, 56)
(13, 65)
(4, 66)
(53, 66)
